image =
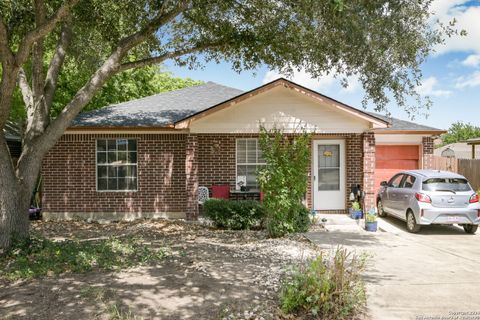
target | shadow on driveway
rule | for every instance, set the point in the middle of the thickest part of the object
(426, 230)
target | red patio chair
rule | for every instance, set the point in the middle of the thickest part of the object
(221, 191)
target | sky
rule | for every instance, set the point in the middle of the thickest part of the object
(451, 75)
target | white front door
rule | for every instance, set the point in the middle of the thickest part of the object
(329, 174)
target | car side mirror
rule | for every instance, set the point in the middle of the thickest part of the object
(384, 183)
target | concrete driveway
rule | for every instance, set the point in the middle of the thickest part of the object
(430, 275)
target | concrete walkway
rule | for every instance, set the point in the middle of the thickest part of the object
(412, 276)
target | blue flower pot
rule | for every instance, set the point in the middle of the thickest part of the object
(371, 226)
(356, 214)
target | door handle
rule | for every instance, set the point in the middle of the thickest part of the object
(405, 196)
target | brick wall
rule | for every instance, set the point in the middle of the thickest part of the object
(191, 176)
(170, 169)
(69, 176)
(216, 158)
(369, 170)
(427, 153)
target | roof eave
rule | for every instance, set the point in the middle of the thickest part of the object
(122, 128)
(430, 132)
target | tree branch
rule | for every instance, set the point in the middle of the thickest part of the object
(25, 89)
(42, 30)
(38, 53)
(159, 20)
(163, 57)
(57, 62)
(5, 52)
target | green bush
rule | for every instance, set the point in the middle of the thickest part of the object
(296, 219)
(39, 256)
(284, 180)
(236, 215)
(327, 287)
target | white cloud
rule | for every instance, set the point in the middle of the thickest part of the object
(428, 88)
(470, 81)
(322, 83)
(472, 60)
(468, 18)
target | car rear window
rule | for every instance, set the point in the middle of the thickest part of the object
(446, 184)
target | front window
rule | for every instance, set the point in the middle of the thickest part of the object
(116, 165)
(249, 160)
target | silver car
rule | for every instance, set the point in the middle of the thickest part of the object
(423, 197)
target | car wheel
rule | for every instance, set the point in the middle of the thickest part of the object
(470, 228)
(412, 225)
(381, 212)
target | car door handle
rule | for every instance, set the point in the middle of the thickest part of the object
(405, 196)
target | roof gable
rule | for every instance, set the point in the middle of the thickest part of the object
(376, 122)
(282, 108)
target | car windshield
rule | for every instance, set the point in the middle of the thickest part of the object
(446, 184)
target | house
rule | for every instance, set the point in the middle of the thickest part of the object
(459, 150)
(147, 157)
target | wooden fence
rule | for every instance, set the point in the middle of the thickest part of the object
(469, 168)
(445, 164)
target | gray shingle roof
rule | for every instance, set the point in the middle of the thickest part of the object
(402, 125)
(159, 110)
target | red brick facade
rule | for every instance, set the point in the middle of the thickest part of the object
(170, 169)
(369, 170)
(69, 176)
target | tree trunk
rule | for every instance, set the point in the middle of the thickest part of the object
(14, 205)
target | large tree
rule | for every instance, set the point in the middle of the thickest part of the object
(383, 42)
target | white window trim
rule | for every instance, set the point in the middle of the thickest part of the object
(256, 164)
(107, 165)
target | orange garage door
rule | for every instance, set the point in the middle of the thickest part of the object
(390, 159)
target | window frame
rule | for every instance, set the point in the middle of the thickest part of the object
(405, 180)
(339, 167)
(256, 164)
(108, 165)
(393, 178)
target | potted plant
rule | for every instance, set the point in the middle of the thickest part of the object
(371, 221)
(356, 211)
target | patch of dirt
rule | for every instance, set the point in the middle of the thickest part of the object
(207, 274)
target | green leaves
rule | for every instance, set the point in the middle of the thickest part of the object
(235, 215)
(328, 287)
(460, 131)
(284, 180)
(39, 256)
(383, 42)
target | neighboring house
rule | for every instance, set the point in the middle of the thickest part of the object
(459, 150)
(12, 135)
(147, 157)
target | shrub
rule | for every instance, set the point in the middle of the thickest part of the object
(39, 256)
(236, 215)
(327, 287)
(284, 180)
